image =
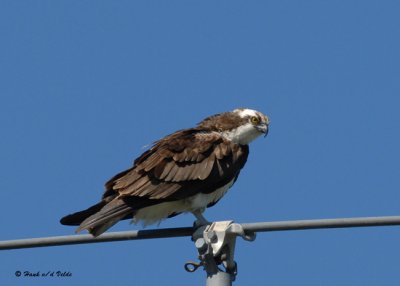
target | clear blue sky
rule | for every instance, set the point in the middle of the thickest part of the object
(85, 85)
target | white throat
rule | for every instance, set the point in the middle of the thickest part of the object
(242, 135)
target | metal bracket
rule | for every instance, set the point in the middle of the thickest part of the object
(216, 245)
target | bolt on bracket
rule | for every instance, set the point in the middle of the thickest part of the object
(216, 245)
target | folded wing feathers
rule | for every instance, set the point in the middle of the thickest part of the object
(226, 148)
(146, 190)
(141, 184)
(159, 173)
(171, 175)
(164, 192)
(126, 180)
(151, 162)
(218, 152)
(167, 168)
(206, 167)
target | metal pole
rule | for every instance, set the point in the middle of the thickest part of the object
(216, 246)
(219, 279)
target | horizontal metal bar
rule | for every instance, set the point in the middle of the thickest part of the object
(187, 231)
(87, 238)
(321, 223)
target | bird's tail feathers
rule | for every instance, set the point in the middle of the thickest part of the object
(106, 217)
(78, 217)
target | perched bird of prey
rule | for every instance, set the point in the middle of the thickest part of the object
(186, 171)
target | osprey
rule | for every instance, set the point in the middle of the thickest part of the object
(186, 171)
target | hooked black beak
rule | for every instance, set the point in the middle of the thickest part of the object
(267, 121)
(266, 132)
(263, 128)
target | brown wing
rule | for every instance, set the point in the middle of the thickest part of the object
(179, 166)
(176, 167)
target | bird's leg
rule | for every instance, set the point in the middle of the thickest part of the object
(201, 220)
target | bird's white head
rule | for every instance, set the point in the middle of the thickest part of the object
(240, 126)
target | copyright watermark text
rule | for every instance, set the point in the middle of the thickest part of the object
(58, 273)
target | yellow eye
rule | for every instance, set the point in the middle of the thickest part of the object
(255, 120)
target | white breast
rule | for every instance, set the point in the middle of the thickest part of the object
(154, 214)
